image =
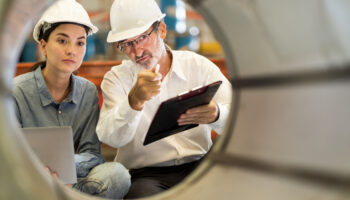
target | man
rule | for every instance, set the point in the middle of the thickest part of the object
(133, 91)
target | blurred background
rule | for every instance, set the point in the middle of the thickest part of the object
(186, 30)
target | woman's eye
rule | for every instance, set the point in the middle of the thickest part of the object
(62, 41)
(81, 43)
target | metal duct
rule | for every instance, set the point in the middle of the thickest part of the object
(287, 136)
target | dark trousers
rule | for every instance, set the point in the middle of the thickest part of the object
(152, 180)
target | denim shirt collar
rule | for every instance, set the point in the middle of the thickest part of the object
(44, 93)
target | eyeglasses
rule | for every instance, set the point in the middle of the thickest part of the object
(142, 40)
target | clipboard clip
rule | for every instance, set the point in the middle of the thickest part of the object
(182, 93)
(189, 93)
(193, 89)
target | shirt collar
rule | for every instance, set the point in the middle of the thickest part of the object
(74, 94)
(175, 65)
(44, 93)
(174, 68)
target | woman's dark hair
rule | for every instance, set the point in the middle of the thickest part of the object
(45, 36)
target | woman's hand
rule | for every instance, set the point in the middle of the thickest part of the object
(55, 174)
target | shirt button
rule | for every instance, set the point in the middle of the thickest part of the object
(59, 111)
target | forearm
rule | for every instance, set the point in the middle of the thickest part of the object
(117, 126)
(223, 99)
(219, 124)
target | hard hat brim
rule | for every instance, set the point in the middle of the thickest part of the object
(66, 11)
(38, 26)
(119, 36)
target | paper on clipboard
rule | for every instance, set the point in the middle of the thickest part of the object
(165, 123)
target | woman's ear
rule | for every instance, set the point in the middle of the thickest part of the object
(162, 29)
(43, 46)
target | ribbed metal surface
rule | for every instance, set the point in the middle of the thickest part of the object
(287, 137)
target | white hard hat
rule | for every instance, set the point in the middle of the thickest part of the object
(64, 11)
(130, 18)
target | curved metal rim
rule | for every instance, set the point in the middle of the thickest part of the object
(64, 192)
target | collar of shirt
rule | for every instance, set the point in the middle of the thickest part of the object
(176, 67)
(44, 93)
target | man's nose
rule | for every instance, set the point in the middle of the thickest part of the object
(138, 48)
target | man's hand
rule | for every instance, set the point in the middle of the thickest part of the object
(205, 114)
(147, 86)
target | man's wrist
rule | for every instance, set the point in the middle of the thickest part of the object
(134, 103)
(218, 113)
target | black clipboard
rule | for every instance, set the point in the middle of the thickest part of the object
(164, 122)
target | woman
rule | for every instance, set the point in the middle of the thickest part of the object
(51, 95)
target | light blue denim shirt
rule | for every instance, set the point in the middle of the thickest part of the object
(80, 110)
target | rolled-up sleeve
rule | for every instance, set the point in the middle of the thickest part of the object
(118, 121)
